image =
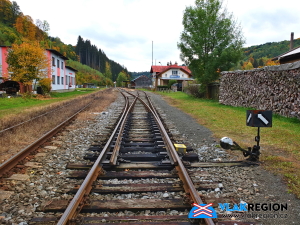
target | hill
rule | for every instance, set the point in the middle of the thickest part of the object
(269, 49)
(15, 28)
(261, 55)
(90, 55)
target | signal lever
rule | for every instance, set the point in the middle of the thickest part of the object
(253, 153)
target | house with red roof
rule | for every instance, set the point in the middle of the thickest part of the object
(162, 74)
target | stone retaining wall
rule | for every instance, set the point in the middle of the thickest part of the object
(275, 88)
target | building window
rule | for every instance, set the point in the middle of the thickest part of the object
(62, 80)
(53, 79)
(62, 65)
(67, 80)
(174, 72)
(58, 63)
(166, 75)
(53, 61)
(58, 80)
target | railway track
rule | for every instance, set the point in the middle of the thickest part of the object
(133, 175)
(83, 104)
(138, 149)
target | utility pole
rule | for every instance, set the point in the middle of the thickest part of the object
(152, 53)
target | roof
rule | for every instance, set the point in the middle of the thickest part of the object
(288, 53)
(58, 53)
(70, 68)
(141, 77)
(160, 69)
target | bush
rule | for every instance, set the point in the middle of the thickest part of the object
(162, 86)
(195, 90)
(27, 95)
(45, 85)
(171, 82)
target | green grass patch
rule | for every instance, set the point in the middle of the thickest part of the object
(230, 121)
(9, 106)
(9, 103)
(280, 144)
(76, 92)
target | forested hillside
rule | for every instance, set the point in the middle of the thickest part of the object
(262, 55)
(269, 49)
(96, 58)
(17, 28)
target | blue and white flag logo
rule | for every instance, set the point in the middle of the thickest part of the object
(202, 211)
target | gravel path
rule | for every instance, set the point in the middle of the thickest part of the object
(245, 184)
(44, 183)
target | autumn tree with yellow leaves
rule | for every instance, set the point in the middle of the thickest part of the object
(26, 27)
(107, 73)
(9, 11)
(27, 62)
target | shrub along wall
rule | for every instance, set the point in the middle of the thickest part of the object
(275, 88)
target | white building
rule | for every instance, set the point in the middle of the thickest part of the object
(162, 74)
(63, 77)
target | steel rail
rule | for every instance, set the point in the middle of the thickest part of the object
(164, 133)
(77, 202)
(115, 153)
(149, 102)
(183, 174)
(14, 160)
(44, 114)
(26, 121)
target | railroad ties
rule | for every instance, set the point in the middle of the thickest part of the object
(132, 176)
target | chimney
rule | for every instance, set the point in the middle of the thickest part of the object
(292, 41)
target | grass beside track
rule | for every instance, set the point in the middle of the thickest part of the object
(280, 145)
(11, 106)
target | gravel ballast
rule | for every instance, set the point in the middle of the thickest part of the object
(47, 181)
(246, 184)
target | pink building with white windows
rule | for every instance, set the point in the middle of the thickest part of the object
(63, 77)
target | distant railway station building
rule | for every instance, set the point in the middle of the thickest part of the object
(161, 75)
(141, 82)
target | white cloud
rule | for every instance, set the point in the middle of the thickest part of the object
(125, 29)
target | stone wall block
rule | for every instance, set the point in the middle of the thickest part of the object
(274, 88)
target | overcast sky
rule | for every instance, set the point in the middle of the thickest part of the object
(125, 29)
